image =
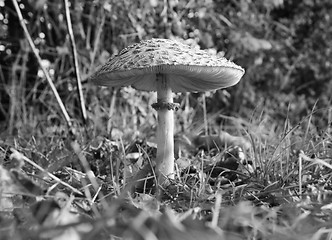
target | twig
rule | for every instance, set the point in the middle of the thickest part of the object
(35, 52)
(77, 70)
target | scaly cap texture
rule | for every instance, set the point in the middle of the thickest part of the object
(188, 69)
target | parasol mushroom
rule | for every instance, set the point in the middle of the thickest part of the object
(167, 66)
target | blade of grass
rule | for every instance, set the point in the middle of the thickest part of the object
(300, 176)
(216, 210)
(19, 155)
(89, 173)
(76, 66)
(315, 160)
(309, 121)
(97, 43)
(111, 112)
(35, 52)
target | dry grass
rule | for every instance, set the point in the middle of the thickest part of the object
(281, 189)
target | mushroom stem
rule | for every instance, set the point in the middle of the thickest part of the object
(165, 133)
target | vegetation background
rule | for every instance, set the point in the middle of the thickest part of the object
(283, 45)
(285, 94)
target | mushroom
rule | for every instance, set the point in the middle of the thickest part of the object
(167, 66)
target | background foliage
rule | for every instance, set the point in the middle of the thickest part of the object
(283, 45)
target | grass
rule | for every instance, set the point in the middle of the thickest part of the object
(281, 189)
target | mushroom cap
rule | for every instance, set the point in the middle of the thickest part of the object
(188, 69)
